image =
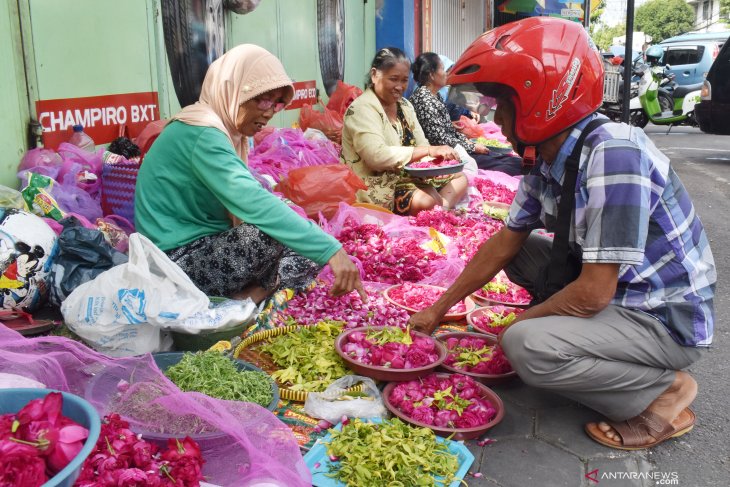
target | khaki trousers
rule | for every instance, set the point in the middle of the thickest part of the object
(616, 362)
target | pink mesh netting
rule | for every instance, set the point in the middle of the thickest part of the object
(242, 443)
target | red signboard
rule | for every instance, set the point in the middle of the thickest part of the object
(101, 116)
(305, 93)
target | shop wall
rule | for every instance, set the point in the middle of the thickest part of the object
(90, 48)
(13, 97)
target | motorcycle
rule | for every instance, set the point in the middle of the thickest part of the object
(612, 105)
(662, 107)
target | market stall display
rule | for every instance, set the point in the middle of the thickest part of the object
(491, 320)
(430, 168)
(301, 359)
(378, 452)
(389, 353)
(449, 404)
(417, 297)
(500, 290)
(476, 355)
(216, 375)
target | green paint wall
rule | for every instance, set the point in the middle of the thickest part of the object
(77, 48)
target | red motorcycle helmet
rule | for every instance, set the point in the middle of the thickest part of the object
(548, 67)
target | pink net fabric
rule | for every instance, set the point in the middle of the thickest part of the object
(242, 443)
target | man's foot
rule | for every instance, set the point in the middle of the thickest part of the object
(667, 416)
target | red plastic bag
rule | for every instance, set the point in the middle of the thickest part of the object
(342, 97)
(321, 188)
(469, 127)
(328, 121)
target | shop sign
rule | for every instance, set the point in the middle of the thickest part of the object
(305, 93)
(101, 116)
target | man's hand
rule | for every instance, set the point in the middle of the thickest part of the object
(347, 275)
(425, 321)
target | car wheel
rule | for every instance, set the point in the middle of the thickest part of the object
(194, 38)
(331, 41)
(638, 118)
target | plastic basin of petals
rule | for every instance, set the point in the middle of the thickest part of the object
(484, 301)
(488, 379)
(468, 302)
(472, 317)
(386, 373)
(459, 433)
(75, 408)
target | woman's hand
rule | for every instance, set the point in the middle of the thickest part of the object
(444, 152)
(481, 149)
(347, 275)
(425, 321)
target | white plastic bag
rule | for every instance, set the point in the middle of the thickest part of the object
(122, 311)
(334, 402)
(219, 317)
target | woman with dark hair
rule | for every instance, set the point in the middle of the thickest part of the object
(381, 135)
(429, 73)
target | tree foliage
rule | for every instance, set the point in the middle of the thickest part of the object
(725, 10)
(603, 36)
(662, 19)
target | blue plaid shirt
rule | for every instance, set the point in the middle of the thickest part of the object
(631, 209)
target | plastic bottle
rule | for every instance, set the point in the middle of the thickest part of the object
(81, 139)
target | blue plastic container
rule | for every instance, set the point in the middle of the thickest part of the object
(75, 408)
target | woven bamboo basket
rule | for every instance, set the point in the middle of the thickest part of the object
(247, 351)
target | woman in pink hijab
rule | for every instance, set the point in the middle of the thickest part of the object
(194, 179)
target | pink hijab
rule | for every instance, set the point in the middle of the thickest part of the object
(242, 73)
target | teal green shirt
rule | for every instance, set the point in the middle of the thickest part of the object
(189, 181)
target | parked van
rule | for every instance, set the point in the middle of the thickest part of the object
(713, 112)
(691, 55)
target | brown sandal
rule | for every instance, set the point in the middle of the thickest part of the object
(643, 431)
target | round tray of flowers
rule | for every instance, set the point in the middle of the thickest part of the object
(417, 297)
(491, 320)
(448, 404)
(476, 355)
(389, 353)
(500, 290)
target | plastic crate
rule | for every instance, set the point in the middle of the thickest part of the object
(611, 82)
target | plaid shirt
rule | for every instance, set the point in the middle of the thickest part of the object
(631, 209)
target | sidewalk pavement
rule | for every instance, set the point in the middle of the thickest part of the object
(541, 443)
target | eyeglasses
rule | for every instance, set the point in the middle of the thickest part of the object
(264, 104)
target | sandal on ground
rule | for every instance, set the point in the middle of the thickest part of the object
(643, 431)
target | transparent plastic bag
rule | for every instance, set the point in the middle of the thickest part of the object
(11, 198)
(336, 402)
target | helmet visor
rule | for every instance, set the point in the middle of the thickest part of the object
(468, 96)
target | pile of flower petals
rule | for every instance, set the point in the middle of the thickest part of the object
(467, 230)
(493, 191)
(122, 458)
(317, 305)
(365, 348)
(420, 297)
(37, 442)
(434, 163)
(387, 259)
(444, 401)
(501, 290)
(476, 355)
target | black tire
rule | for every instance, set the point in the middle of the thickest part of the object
(193, 40)
(666, 102)
(638, 118)
(331, 41)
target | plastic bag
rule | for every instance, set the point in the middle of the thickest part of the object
(80, 168)
(335, 402)
(37, 195)
(343, 95)
(321, 188)
(120, 312)
(328, 121)
(82, 255)
(41, 161)
(469, 127)
(11, 198)
(73, 199)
